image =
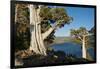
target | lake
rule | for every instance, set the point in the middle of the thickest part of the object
(72, 48)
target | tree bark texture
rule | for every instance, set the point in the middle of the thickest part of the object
(37, 39)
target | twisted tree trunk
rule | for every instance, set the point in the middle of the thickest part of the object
(37, 41)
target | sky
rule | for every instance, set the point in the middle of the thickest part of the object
(82, 17)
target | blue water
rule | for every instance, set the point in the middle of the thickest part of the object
(72, 48)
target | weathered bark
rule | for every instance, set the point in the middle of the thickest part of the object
(33, 44)
(40, 41)
(83, 48)
(37, 43)
(49, 31)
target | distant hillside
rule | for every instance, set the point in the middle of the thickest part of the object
(62, 39)
(59, 40)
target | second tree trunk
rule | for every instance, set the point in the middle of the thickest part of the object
(83, 48)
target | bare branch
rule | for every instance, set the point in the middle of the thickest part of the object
(47, 33)
(80, 38)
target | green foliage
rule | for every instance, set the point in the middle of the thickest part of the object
(78, 33)
(92, 38)
(22, 28)
(92, 30)
(58, 15)
(45, 13)
(22, 14)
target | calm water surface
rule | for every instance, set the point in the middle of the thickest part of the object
(71, 48)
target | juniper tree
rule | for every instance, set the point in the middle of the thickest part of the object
(81, 34)
(43, 21)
